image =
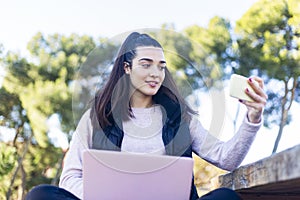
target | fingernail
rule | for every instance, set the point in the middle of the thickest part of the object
(250, 79)
(247, 90)
(240, 100)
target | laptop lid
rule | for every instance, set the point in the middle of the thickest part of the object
(112, 175)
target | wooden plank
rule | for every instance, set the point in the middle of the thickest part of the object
(277, 176)
(280, 190)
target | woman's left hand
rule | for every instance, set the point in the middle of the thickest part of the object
(255, 108)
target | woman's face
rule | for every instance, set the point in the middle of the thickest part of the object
(148, 71)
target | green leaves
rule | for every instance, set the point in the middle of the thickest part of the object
(8, 158)
(268, 38)
(34, 89)
(211, 49)
(268, 42)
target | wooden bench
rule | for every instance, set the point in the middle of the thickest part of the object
(272, 178)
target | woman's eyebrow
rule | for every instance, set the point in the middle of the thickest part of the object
(146, 59)
(151, 60)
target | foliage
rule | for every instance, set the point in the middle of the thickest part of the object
(205, 175)
(268, 43)
(32, 91)
(7, 159)
(211, 49)
(7, 163)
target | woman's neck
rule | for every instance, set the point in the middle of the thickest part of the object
(136, 102)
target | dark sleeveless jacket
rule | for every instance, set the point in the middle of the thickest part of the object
(175, 134)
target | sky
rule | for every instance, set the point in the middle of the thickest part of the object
(20, 20)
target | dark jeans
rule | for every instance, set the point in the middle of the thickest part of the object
(221, 194)
(50, 192)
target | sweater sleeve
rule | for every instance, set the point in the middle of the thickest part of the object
(71, 177)
(226, 155)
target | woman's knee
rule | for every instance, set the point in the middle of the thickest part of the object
(40, 191)
(49, 192)
(220, 194)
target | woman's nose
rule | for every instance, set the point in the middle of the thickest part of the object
(153, 74)
(154, 71)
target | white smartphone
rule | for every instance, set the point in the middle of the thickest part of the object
(238, 84)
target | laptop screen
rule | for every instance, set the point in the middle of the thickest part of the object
(122, 175)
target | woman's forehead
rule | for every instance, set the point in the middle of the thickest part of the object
(155, 53)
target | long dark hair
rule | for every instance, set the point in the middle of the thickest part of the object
(112, 101)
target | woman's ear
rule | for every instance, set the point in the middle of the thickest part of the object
(126, 67)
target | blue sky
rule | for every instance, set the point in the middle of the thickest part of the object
(21, 20)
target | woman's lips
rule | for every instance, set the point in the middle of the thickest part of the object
(152, 83)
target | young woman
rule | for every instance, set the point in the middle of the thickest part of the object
(140, 110)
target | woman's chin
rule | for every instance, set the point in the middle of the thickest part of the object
(150, 92)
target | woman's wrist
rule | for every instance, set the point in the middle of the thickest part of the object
(255, 119)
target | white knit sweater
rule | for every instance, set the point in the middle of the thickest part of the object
(143, 134)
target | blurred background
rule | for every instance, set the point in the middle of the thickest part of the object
(51, 53)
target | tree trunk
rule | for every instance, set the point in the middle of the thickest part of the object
(20, 161)
(284, 114)
(285, 107)
(23, 185)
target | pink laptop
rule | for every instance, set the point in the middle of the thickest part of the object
(111, 175)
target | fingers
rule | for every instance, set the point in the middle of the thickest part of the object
(258, 80)
(255, 108)
(257, 85)
(259, 96)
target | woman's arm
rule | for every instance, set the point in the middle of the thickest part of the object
(229, 155)
(225, 155)
(71, 177)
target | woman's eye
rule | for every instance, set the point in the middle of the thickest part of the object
(146, 65)
(162, 67)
